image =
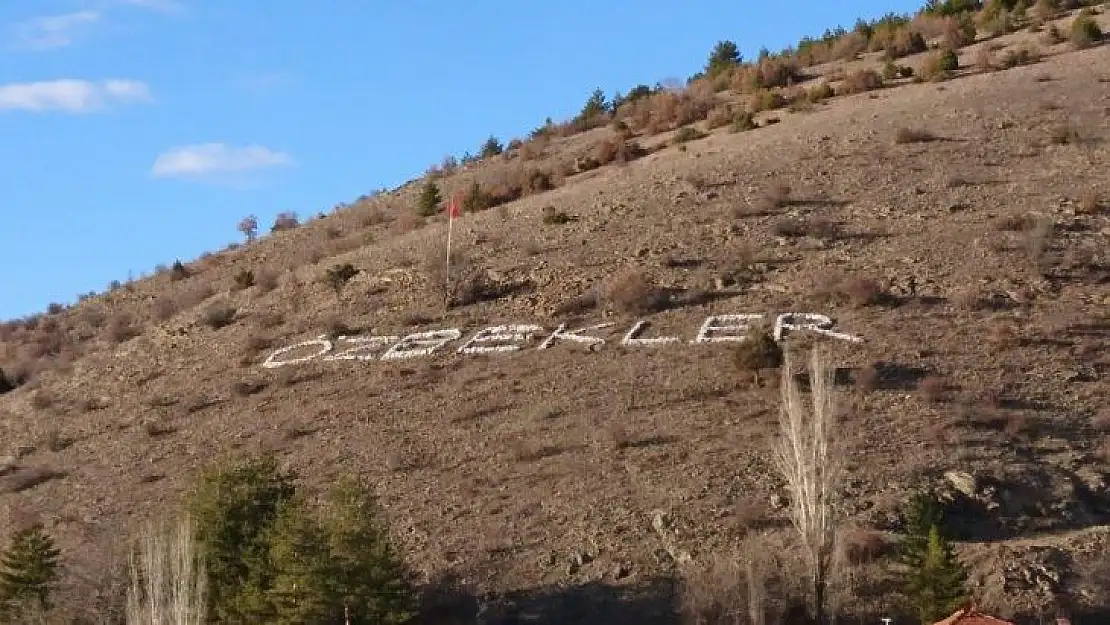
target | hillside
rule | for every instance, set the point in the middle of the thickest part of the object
(958, 227)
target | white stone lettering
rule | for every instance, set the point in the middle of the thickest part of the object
(637, 329)
(726, 328)
(575, 335)
(821, 324)
(421, 344)
(362, 347)
(322, 341)
(505, 339)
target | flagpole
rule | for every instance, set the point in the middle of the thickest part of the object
(447, 273)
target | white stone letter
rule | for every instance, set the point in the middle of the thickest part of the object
(362, 347)
(630, 338)
(736, 327)
(421, 344)
(788, 322)
(321, 341)
(576, 335)
(505, 339)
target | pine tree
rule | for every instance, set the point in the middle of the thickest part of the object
(924, 513)
(234, 509)
(429, 200)
(28, 569)
(725, 56)
(302, 589)
(936, 584)
(369, 577)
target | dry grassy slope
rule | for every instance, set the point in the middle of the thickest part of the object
(505, 467)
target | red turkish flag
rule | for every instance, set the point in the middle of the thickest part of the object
(453, 207)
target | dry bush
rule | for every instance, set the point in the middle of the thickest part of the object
(218, 315)
(1101, 421)
(984, 58)
(633, 292)
(1064, 134)
(1088, 203)
(861, 292)
(618, 151)
(1019, 56)
(243, 279)
(1038, 240)
(757, 351)
(933, 389)
(121, 327)
(246, 388)
(913, 135)
(1002, 335)
(1084, 32)
(860, 81)
(862, 546)
(43, 399)
(1014, 222)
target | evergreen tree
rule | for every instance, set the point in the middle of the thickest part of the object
(924, 513)
(302, 590)
(234, 509)
(430, 198)
(936, 584)
(725, 56)
(369, 577)
(28, 569)
(595, 107)
(491, 147)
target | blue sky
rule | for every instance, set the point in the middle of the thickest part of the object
(134, 132)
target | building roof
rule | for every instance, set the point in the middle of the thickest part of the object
(971, 616)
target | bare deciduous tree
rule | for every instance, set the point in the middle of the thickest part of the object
(168, 579)
(811, 464)
(249, 227)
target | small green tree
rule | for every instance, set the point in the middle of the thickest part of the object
(923, 512)
(234, 509)
(491, 147)
(370, 580)
(725, 56)
(936, 583)
(594, 108)
(429, 201)
(28, 570)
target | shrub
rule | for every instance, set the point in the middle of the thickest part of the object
(552, 216)
(338, 276)
(861, 81)
(1084, 32)
(121, 328)
(428, 204)
(940, 64)
(742, 122)
(687, 134)
(765, 100)
(286, 220)
(913, 135)
(1088, 202)
(244, 279)
(634, 292)
(28, 571)
(178, 271)
(820, 92)
(218, 315)
(757, 351)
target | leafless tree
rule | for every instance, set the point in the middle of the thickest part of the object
(168, 580)
(810, 463)
(249, 227)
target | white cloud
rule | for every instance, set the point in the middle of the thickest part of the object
(54, 31)
(71, 95)
(216, 158)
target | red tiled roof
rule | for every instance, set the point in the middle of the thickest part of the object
(971, 616)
